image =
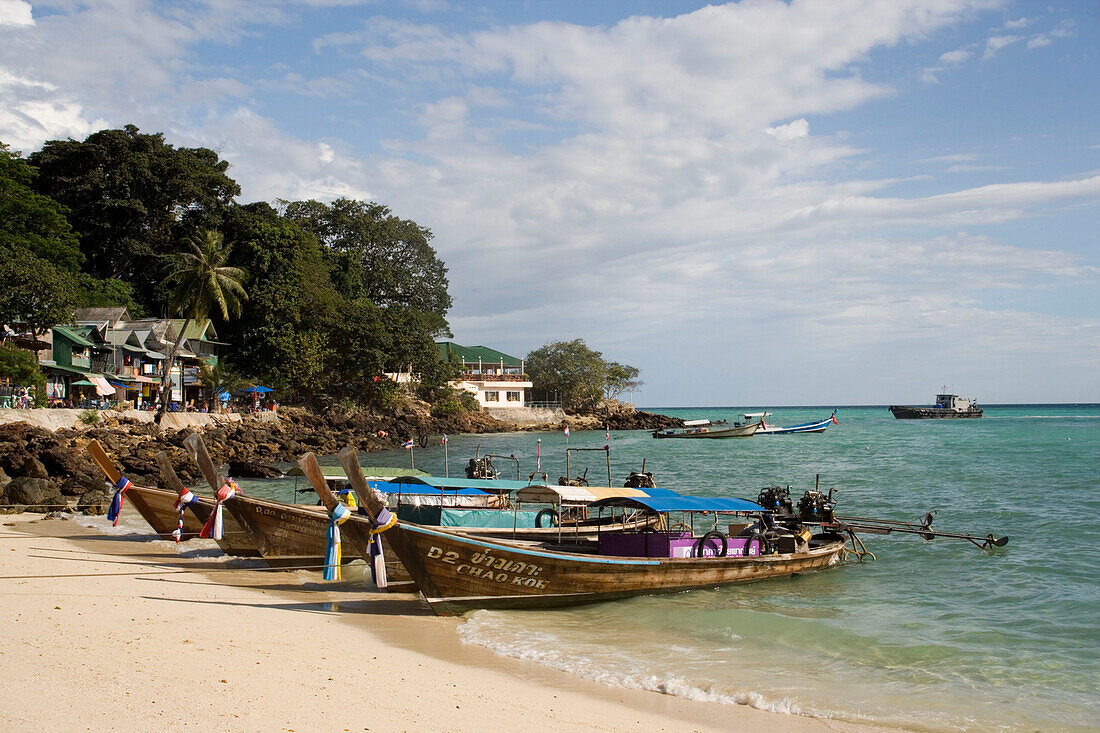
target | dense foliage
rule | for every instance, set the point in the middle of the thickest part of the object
(577, 375)
(19, 367)
(336, 296)
(133, 197)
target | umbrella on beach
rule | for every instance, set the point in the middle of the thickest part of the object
(259, 390)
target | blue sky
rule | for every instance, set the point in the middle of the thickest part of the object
(759, 203)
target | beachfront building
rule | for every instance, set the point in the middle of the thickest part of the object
(107, 355)
(496, 379)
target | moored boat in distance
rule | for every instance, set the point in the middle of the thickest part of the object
(806, 427)
(708, 429)
(948, 406)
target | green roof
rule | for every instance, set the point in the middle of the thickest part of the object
(195, 329)
(73, 336)
(452, 352)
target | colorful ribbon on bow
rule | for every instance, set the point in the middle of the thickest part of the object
(116, 501)
(336, 517)
(186, 499)
(213, 528)
(379, 524)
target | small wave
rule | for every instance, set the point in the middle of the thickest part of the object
(542, 648)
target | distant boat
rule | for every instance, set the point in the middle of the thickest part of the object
(707, 429)
(948, 406)
(806, 427)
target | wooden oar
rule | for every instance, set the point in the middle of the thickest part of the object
(95, 450)
(349, 459)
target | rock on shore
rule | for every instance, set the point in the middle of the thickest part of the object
(46, 471)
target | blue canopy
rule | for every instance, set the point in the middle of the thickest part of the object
(664, 504)
(493, 486)
(395, 487)
(259, 390)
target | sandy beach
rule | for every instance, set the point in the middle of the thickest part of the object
(112, 630)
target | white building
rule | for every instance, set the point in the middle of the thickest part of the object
(494, 378)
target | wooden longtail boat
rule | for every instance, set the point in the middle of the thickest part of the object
(156, 506)
(285, 535)
(708, 430)
(806, 427)
(235, 540)
(456, 572)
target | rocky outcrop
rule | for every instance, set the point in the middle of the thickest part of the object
(618, 416)
(34, 494)
(50, 468)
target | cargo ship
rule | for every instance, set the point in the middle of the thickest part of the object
(948, 406)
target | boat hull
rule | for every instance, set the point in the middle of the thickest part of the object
(457, 573)
(293, 536)
(157, 507)
(817, 427)
(905, 412)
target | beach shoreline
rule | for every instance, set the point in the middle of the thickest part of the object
(137, 634)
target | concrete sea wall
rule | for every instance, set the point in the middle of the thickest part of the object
(54, 419)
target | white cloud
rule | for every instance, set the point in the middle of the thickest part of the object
(790, 131)
(15, 13)
(647, 210)
(956, 57)
(994, 44)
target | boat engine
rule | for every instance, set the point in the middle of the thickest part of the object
(817, 507)
(638, 480)
(777, 500)
(481, 468)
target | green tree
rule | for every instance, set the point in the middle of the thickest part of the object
(94, 292)
(375, 255)
(21, 368)
(132, 197)
(570, 369)
(201, 283)
(285, 334)
(621, 378)
(220, 378)
(32, 222)
(35, 293)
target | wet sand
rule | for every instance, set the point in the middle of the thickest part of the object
(119, 632)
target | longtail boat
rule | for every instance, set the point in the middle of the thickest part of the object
(458, 573)
(156, 506)
(285, 535)
(806, 427)
(707, 429)
(235, 540)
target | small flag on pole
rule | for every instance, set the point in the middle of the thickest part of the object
(567, 431)
(607, 433)
(444, 440)
(409, 444)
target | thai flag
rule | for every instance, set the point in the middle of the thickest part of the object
(409, 444)
(607, 433)
(444, 440)
(567, 432)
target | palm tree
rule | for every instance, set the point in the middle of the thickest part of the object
(201, 282)
(220, 378)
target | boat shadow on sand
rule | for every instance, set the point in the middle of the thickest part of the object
(410, 606)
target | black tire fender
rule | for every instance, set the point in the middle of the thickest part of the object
(697, 551)
(549, 513)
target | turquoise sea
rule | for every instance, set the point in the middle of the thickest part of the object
(932, 636)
